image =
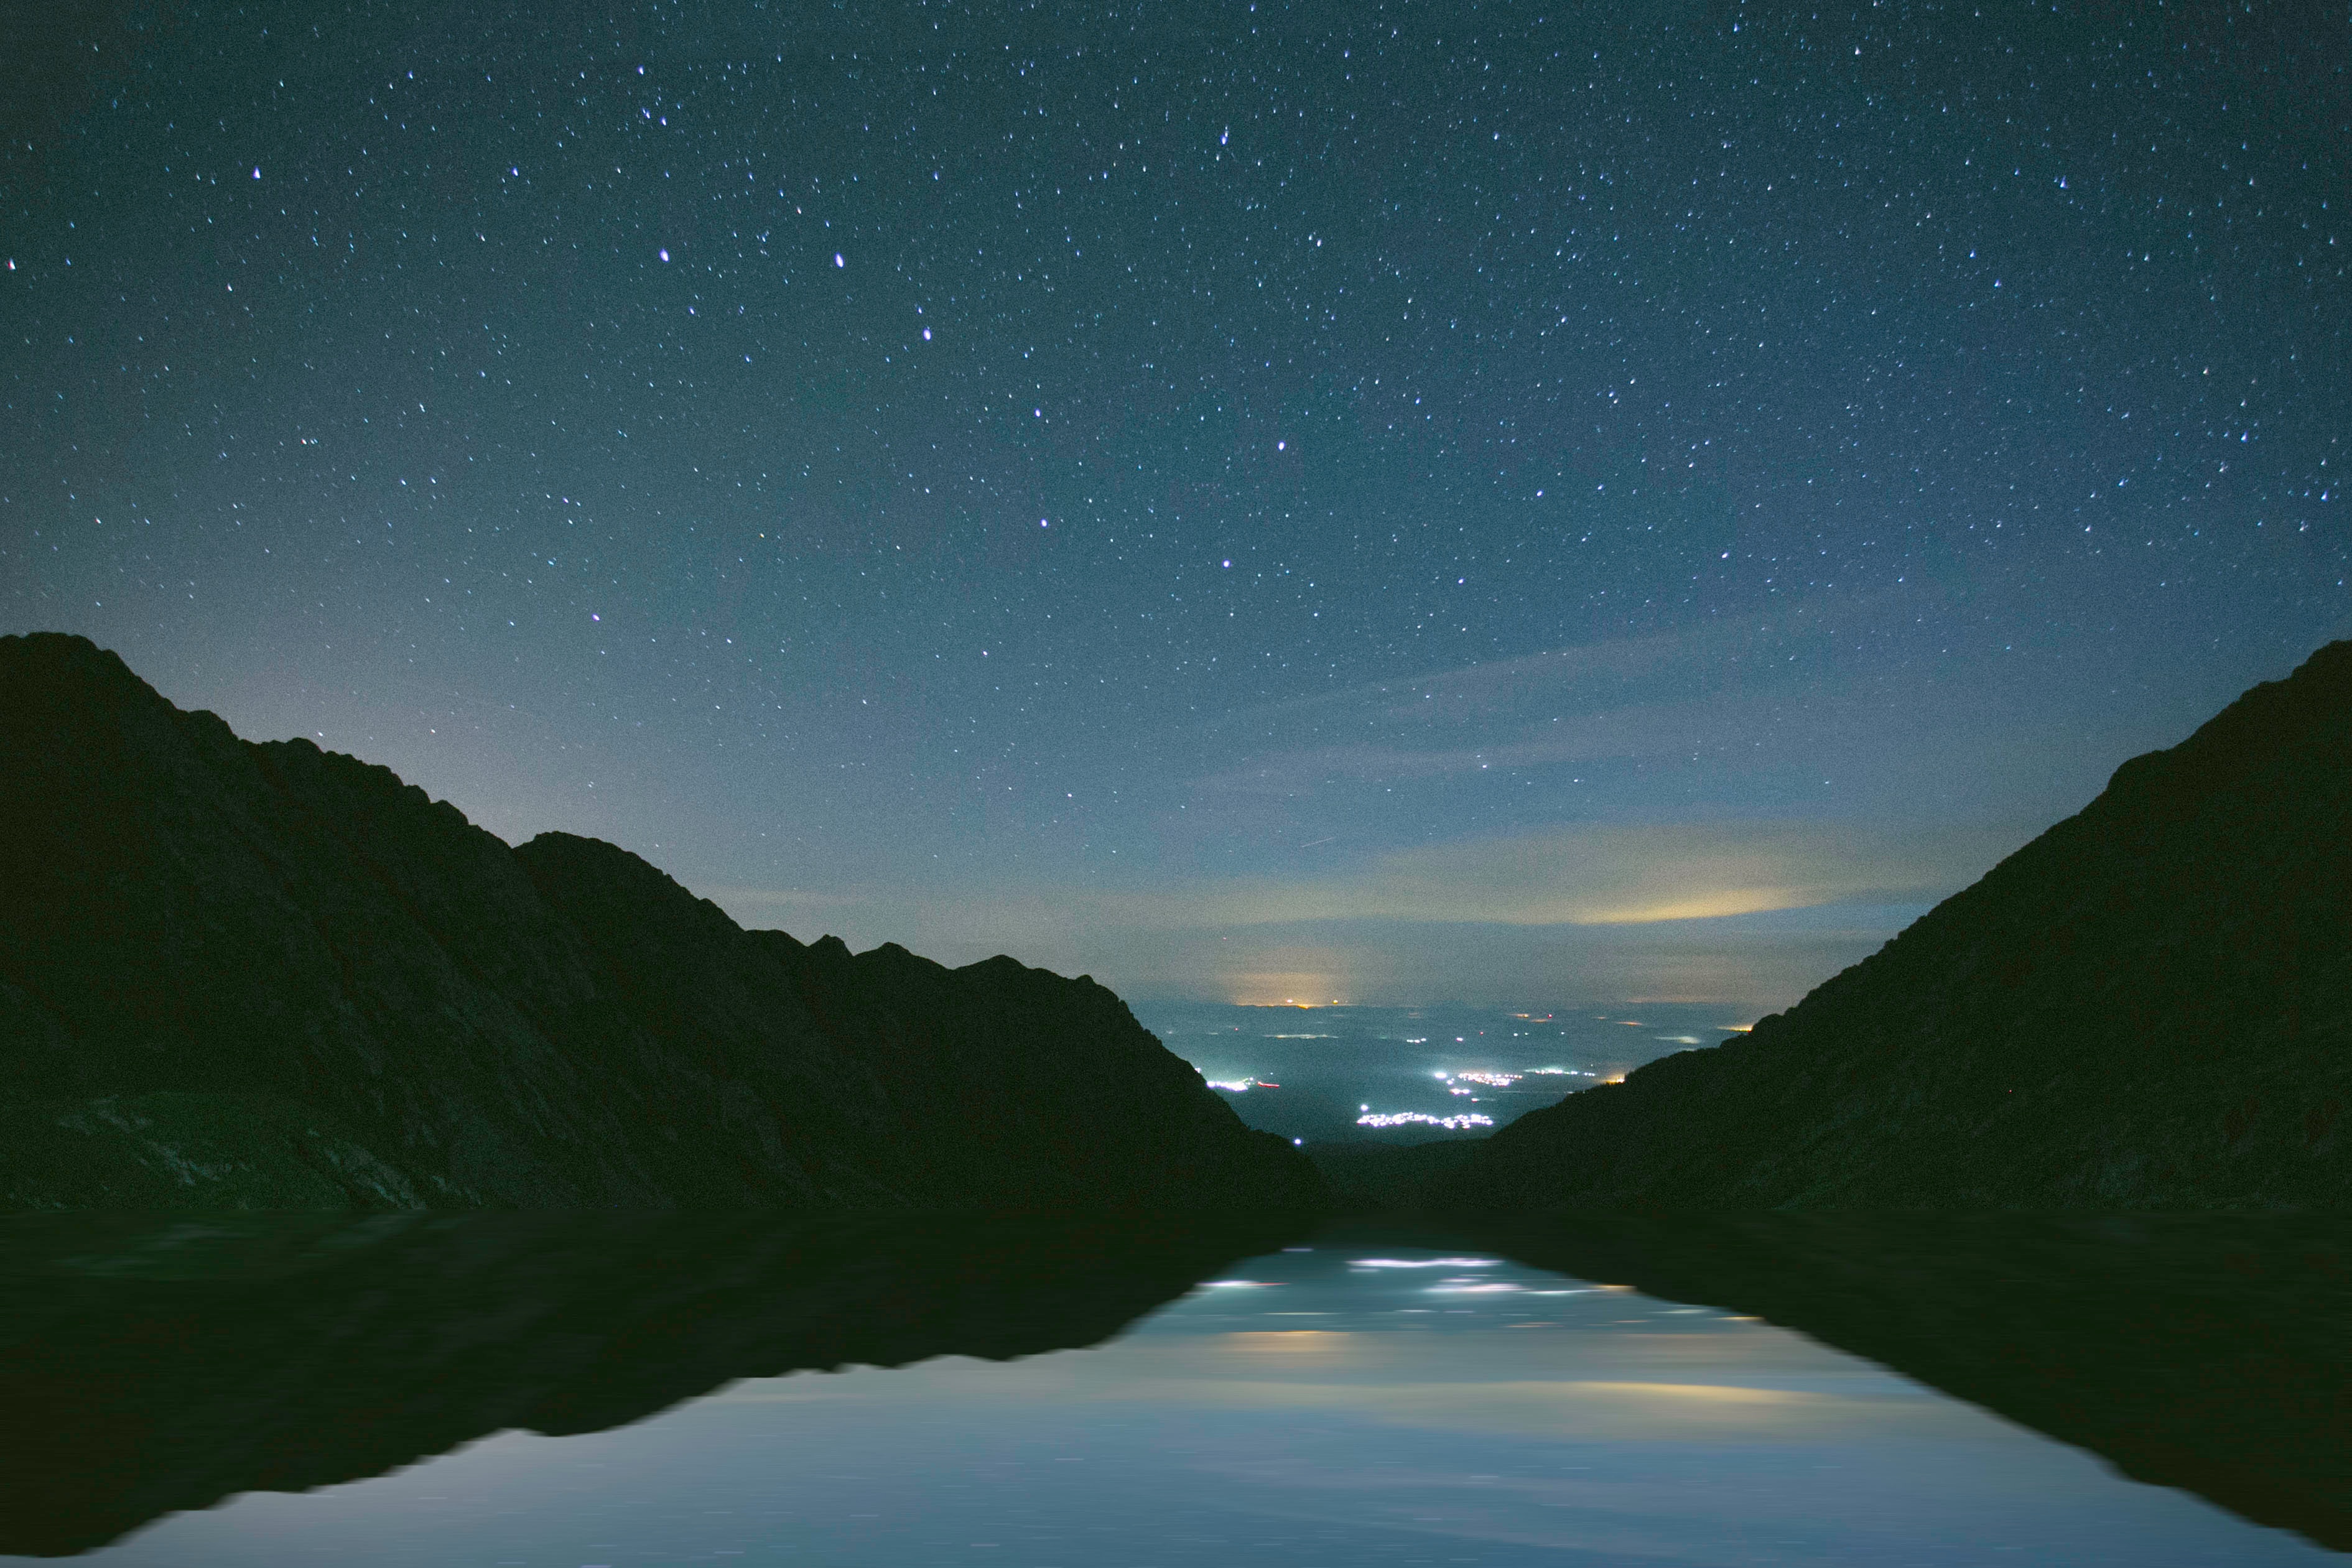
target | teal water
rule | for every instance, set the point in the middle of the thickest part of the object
(1348, 1401)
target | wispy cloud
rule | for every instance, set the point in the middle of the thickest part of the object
(1592, 668)
(1625, 697)
(1566, 876)
(1602, 876)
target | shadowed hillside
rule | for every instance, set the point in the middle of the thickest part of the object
(2147, 1007)
(267, 976)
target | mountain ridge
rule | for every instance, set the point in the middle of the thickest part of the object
(255, 974)
(2147, 1007)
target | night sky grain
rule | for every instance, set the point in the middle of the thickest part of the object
(1515, 502)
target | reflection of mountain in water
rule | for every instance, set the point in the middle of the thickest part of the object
(147, 1368)
(2210, 1352)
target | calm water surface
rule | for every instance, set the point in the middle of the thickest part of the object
(1349, 1402)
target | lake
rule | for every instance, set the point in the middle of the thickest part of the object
(1173, 1396)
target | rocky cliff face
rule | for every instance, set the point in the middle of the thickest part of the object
(2147, 1007)
(240, 974)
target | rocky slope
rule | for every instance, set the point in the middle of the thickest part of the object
(240, 974)
(2147, 1007)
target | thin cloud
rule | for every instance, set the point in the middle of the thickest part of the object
(1625, 697)
(1566, 876)
(1605, 876)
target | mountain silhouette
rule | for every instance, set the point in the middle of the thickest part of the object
(2148, 1006)
(268, 976)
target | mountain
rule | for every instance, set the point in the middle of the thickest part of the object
(2203, 1351)
(149, 1366)
(268, 976)
(2147, 1007)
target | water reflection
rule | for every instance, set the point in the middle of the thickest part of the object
(1371, 1396)
(2208, 1352)
(152, 1365)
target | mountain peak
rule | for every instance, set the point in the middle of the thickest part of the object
(240, 974)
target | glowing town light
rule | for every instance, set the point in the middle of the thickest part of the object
(1414, 1118)
(1423, 1262)
(1492, 1080)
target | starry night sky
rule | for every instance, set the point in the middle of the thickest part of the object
(1518, 503)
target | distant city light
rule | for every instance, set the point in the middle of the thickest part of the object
(1423, 1262)
(1414, 1118)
